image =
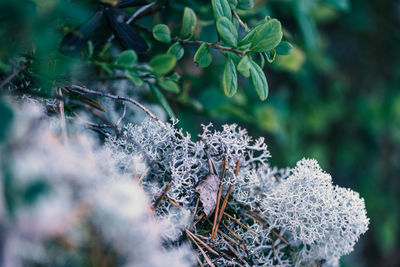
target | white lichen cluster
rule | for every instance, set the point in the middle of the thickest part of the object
(60, 197)
(68, 204)
(293, 216)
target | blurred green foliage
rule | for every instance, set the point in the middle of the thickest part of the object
(335, 97)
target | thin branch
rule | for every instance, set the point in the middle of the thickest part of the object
(122, 116)
(215, 46)
(240, 20)
(116, 97)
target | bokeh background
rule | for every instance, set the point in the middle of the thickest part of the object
(335, 98)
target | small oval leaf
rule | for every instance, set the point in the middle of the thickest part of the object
(245, 4)
(134, 78)
(203, 56)
(244, 66)
(248, 38)
(259, 80)
(267, 37)
(188, 23)
(283, 48)
(162, 33)
(169, 85)
(221, 8)
(229, 79)
(176, 50)
(163, 64)
(127, 59)
(227, 31)
(270, 55)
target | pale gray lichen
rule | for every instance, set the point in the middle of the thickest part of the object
(61, 198)
(288, 217)
(299, 204)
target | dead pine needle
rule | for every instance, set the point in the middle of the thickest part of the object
(201, 250)
(214, 231)
(240, 223)
(203, 243)
(164, 192)
(226, 198)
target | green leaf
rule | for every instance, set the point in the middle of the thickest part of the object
(176, 50)
(233, 4)
(90, 49)
(221, 9)
(163, 101)
(162, 64)
(291, 62)
(203, 56)
(248, 38)
(229, 78)
(245, 4)
(283, 48)
(127, 59)
(259, 80)
(262, 60)
(175, 77)
(168, 85)
(267, 37)
(270, 55)
(227, 31)
(244, 66)
(162, 33)
(188, 23)
(6, 116)
(134, 78)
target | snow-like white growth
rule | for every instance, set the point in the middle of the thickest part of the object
(63, 198)
(324, 220)
(327, 218)
(140, 188)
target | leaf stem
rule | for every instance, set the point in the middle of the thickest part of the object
(240, 21)
(214, 45)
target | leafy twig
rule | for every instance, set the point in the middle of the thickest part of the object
(215, 46)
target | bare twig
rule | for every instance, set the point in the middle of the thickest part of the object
(122, 116)
(116, 97)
